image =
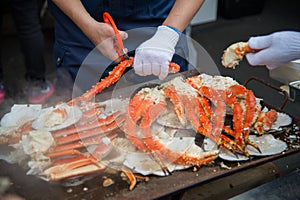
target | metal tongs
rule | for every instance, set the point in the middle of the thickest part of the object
(119, 46)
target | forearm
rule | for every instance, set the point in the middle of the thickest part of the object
(76, 12)
(182, 13)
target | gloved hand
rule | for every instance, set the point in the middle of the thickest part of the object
(154, 55)
(274, 49)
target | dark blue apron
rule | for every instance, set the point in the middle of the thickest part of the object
(72, 47)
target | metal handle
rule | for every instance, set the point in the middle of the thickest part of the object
(285, 94)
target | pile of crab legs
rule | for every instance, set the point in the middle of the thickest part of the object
(145, 109)
(203, 106)
(68, 155)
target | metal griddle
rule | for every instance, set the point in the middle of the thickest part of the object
(208, 181)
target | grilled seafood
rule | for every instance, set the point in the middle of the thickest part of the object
(74, 145)
(235, 53)
(146, 106)
(80, 137)
(201, 100)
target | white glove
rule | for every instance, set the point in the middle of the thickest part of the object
(154, 55)
(274, 49)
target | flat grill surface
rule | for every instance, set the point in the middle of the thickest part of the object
(31, 187)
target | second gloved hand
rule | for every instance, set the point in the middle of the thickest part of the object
(154, 55)
(274, 49)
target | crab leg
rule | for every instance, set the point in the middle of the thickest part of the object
(112, 78)
(92, 132)
(131, 177)
(218, 119)
(70, 149)
(232, 102)
(171, 93)
(200, 123)
(64, 153)
(265, 120)
(219, 114)
(250, 115)
(135, 110)
(94, 124)
(161, 150)
(79, 167)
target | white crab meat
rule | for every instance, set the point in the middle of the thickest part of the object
(217, 82)
(58, 117)
(229, 58)
(38, 165)
(7, 131)
(36, 142)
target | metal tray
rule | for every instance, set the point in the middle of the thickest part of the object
(294, 91)
(256, 171)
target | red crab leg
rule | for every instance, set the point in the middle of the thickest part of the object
(65, 160)
(64, 153)
(89, 133)
(112, 78)
(238, 118)
(219, 114)
(67, 149)
(161, 150)
(203, 118)
(265, 119)
(151, 114)
(89, 115)
(203, 128)
(206, 106)
(131, 177)
(218, 118)
(271, 117)
(250, 110)
(94, 124)
(171, 93)
(135, 110)
(80, 167)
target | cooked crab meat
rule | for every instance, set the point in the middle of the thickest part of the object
(235, 53)
(58, 117)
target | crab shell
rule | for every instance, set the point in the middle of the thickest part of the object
(235, 53)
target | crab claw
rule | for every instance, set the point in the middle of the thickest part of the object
(235, 53)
